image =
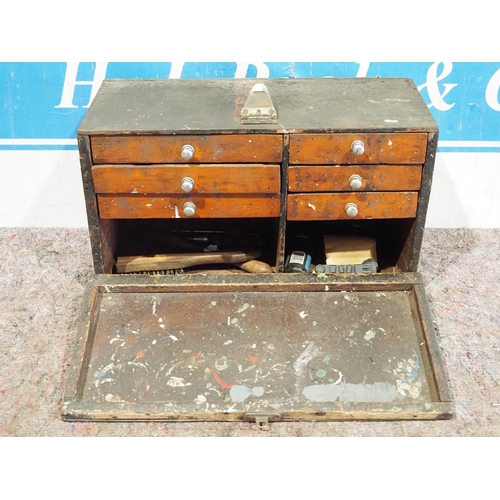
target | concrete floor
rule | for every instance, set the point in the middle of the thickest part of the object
(43, 273)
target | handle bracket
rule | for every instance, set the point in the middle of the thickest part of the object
(258, 107)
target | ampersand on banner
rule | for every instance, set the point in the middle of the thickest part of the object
(435, 96)
(492, 91)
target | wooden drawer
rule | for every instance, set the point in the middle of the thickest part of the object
(331, 206)
(147, 207)
(328, 149)
(310, 178)
(167, 178)
(236, 148)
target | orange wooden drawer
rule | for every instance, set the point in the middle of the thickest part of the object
(310, 178)
(148, 207)
(331, 206)
(142, 179)
(234, 148)
(328, 149)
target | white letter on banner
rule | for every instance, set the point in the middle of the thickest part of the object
(363, 69)
(70, 83)
(176, 69)
(436, 98)
(242, 68)
(492, 92)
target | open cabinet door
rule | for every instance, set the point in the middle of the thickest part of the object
(262, 347)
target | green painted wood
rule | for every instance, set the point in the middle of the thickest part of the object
(309, 105)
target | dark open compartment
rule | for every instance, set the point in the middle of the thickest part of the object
(144, 237)
(393, 237)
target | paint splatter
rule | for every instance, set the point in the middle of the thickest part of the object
(174, 338)
(320, 373)
(222, 363)
(200, 399)
(253, 359)
(415, 370)
(244, 307)
(302, 361)
(414, 390)
(379, 392)
(112, 398)
(239, 393)
(303, 314)
(141, 354)
(105, 370)
(177, 382)
(220, 381)
(370, 334)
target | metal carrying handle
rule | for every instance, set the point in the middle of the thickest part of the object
(258, 107)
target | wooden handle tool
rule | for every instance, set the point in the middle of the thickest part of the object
(255, 267)
(165, 262)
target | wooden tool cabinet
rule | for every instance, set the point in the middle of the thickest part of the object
(167, 157)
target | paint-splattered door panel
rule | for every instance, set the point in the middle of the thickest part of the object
(222, 352)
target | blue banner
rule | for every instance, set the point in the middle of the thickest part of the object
(43, 103)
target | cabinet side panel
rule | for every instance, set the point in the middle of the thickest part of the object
(102, 237)
(423, 201)
(90, 201)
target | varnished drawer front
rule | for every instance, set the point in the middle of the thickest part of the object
(332, 206)
(214, 179)
(164, 206)
(310, 178)
(237, 148)
(329, 149)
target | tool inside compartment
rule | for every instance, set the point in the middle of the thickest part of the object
(392, 238)
(225, 245)
(191, 245)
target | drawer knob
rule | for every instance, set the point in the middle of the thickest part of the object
(355, 181)
(189, 209)
(187, 184)
(351, 209)
(358, 148)
(187, 151)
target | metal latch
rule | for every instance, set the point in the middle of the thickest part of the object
(262, 419)
(259, 107)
